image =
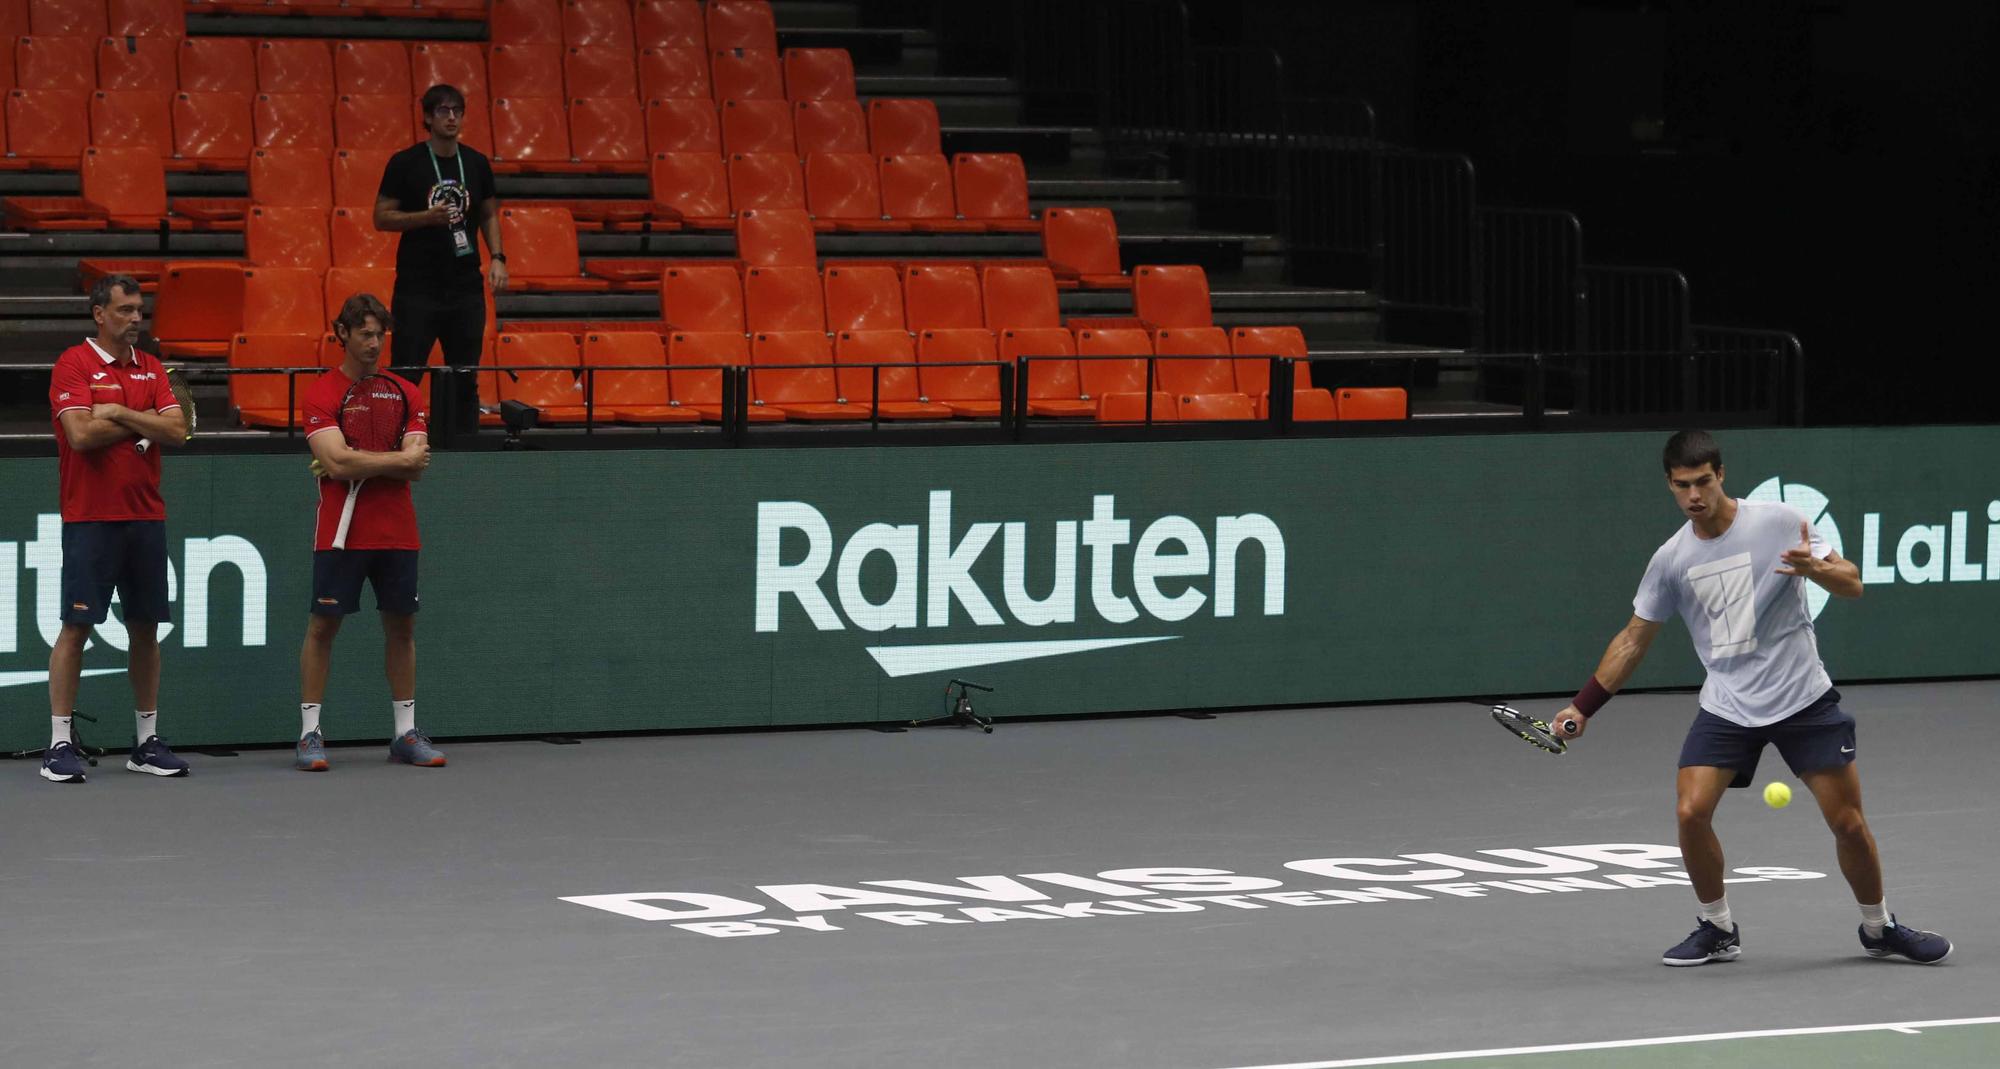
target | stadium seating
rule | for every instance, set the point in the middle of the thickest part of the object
(992, 190)
(702, 390)
(667, 73)
(1082, 247)
(783, 299)
(345, 282)
(746, 74)
(904, 128)
(972, 392)
(916, 189)
(683, 125)
(270, 400)
(290, 178)
(288, 237)
(829, 126)
(372, 121)
(901, 397)
(766, 180)
(631, 396)
(1053, 386)
(1375, 403)
(293, 120)
(741, 24)
(552, 387)
(56, 63)
(669, 24)
(863, 297)
(1253, 347)
(842, 193)
(1171, 296)
(357, 176)
(702, 299)
(542, 252)
(138, 62)
(295, 65)
(818, 74)
(1019, 295)
(133, 118)
(532, 134)
(757, 126)
(600, 71)
(150, 19)
(47, 127)
(598, 24)
(519, 69)
(942, 296)
(218, 65)
(608, 133)
(212, 130)
(1119, 386)
(525, 22)
(372, 68)
(776, 237)
(691, 188)
(356, 242)
(198, 308)
(801, 393)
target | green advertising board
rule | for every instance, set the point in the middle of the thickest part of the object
(635, 590)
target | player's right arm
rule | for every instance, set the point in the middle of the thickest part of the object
(87, 432)
(338, 460)
(391, 218)
(1621, 658)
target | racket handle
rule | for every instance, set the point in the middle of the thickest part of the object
(1569, 728)
(346, 515)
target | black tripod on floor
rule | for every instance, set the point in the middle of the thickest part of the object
(90, 753)
(961, 709)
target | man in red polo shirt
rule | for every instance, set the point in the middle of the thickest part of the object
(382, 539)
(111, 407)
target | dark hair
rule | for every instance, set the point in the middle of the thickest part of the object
(356, 312)
(438, 96)
(106, 289)
(1691, 449)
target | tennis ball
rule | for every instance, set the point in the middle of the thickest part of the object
(1777, 795)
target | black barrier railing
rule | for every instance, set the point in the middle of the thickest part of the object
(1531, 279)
(1430, 266)
(1786, 376)
(1333, 222)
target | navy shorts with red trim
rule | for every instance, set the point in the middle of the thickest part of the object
(1819, 736)
(128, 556)
(339, 573)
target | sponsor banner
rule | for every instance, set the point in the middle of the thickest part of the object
(634, 590)
(775, 909)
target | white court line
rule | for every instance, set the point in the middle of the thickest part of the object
(1660, 1041)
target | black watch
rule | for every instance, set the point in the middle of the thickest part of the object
(500, 256)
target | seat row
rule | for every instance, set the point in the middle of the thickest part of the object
(720, 24)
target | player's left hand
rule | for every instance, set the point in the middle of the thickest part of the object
(107, 411)
(1800, 559)
(318, 469)
(496, 274)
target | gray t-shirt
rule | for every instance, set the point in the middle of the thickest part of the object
(1750, 625)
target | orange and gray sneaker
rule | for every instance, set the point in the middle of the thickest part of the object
(413, 747)
(311, 753)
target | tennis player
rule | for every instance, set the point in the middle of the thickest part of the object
(1736, 573)
(111, 406)
(382, 539)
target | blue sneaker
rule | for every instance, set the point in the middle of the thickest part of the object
(1705, 944)
(412, 747)
(63, 763)
(311, 753)
(154, 759)
(1924, 948)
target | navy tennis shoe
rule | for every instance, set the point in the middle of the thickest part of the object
(63, 763)
(1706, 944)
(153, 758)
(1924, 948)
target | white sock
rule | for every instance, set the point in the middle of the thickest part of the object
(59, 729)
(148, 724)
(406, 716)
(308, 718)
(1717, 913)
(1874, 918)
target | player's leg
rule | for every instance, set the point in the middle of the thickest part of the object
(1838, 792)
(1697, 791)
(336, 591)
(142, 588)
(460, 333)
(1716, 755)
(394, 575)
(417, 328)
(88, 579)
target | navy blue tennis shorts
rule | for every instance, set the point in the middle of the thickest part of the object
(339, 573)
(100, 556)
(1819, 736)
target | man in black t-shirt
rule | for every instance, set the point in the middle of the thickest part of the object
(435, 193)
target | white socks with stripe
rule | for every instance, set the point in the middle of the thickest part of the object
(406, 716)
(1717, 913)
(59, 729)
(148, 724)
(308, 718)
(1874, 918)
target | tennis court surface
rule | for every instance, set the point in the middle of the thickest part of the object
(1351, 886)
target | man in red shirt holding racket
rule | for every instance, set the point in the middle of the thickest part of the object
(368, 432)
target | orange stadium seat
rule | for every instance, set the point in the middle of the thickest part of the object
(1214, 406)
(766, 180)
(631, 396)
(47, 127)
(673, 73)
(1254, 346)
(1082, 247)
(901, 397)
(1131, 408)
(198, 308)
(524, 22)
(287, 237)
(746, 74)
(525, 70)
(212, 130)
(556, 391)
(702, 390)
(67, 18)
(7, 78)
(783, 299)
(904, 128)
(345, 282)
(702, 298)
(294, 65)
(1019, 295)
(669, 24)
(829, 126)
(290, 178)
(370, 67)
(938, 296)
(691, 187)
(542, 252)
(1053, 386)
(1171, 296)
(842, 193)
(56, 63)
(598, 24)
(917, 190)
(801, 393)
(218, 65)
(356, 242)
(777, 237)
(1203, 383)
(136, 118)
(609, 132)
(372, 120)
(454, 63)
(600, 71)
(751, 126)
(293, 120)
(992, 189)
(357, 176)
(148, 63)
(1381, 402)
(1117, 383)
(13, 20)
(741, 24)
(145, 18)
(689, 125)
(819, 74)
(127, 185)
(270, 400)
(532, 133)
(969, 391)
(863, 297)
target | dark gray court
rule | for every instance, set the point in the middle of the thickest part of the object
(376, 915)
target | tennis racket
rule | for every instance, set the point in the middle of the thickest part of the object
(1527, 727)
(372, 416)
(177, 384)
